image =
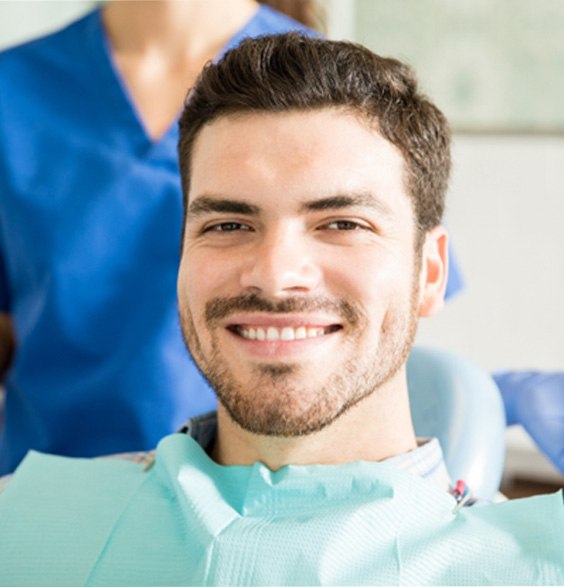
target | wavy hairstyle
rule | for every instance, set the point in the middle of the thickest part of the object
(293, 72)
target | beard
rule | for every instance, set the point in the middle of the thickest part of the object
(277, 400)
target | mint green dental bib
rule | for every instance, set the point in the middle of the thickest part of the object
(189, 521)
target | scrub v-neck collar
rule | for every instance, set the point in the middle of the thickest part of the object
(125, 113)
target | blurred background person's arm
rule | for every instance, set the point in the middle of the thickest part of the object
(535, 400)
(6, 344)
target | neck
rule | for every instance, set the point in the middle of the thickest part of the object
(377, 428)
(187, 28)
(160, 47)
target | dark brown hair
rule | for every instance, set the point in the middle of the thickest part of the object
(292, 72)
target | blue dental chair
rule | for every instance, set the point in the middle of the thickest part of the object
(459, 403)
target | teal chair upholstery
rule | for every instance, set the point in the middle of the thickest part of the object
(456, 401)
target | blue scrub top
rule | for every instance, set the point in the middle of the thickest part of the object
(90, 222)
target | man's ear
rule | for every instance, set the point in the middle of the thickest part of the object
(434, 271)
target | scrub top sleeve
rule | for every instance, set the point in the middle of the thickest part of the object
(4, 298)
(4, 292)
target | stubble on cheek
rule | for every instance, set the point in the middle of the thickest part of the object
(276, 399)
(291, 400)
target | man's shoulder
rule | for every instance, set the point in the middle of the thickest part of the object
(75, 502)
(55, 469)
(142, 457)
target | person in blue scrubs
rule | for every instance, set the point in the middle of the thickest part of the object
(90, 222)
(90, 214)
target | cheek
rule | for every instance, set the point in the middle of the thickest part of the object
(203, 276)
(371, 276)
(381, 284)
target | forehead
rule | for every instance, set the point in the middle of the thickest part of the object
(302, 154)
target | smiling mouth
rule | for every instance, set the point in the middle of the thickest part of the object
(286, 333)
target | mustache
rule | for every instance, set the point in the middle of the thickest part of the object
(220, 308)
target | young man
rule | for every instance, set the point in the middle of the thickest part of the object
(314, 175)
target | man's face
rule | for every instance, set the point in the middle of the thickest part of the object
(298, 286)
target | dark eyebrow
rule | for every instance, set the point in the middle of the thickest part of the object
(347, 201)
(207, 205)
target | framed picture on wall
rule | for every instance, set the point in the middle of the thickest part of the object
(494, 66)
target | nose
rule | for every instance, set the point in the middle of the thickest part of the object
(282, 263)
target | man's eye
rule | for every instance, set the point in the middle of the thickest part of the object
(344, 225)
(227, 227)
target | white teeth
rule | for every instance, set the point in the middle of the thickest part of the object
(286, 333)
(272, 333)
(300, 333)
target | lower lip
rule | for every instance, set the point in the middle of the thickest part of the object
(274, 349)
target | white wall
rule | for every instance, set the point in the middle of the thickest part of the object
(20, 20)
(505, 215)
